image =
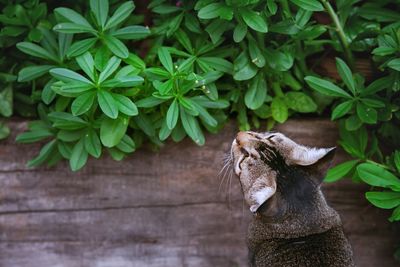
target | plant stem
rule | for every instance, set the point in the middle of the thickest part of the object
(277, 89)
(340, 32)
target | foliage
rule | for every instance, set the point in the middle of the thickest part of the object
(100, 82)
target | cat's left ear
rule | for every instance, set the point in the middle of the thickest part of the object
(315, 160)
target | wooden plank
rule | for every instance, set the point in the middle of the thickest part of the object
(157, 209)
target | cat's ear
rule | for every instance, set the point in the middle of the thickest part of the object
(305, 156)
(316, 161)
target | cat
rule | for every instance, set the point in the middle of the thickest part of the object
(292, 225)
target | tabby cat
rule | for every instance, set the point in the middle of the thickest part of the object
(293, 225)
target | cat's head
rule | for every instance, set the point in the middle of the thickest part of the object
(273, 168)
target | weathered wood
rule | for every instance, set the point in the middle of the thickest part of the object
(156, 209)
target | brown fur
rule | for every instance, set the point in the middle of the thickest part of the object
(294, 226)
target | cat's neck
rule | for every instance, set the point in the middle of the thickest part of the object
(313, 219)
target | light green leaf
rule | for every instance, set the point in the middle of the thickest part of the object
(279, 110)
(394, 64)
(377, 176)
(384, 200)
(112, 131)
(340, 171)
(325, 87)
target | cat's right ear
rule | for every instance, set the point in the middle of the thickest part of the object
(319, 168)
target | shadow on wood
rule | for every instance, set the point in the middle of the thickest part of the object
(157, 209)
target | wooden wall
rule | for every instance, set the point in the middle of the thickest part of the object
(156, 209)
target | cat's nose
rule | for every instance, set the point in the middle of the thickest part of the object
(242, 138)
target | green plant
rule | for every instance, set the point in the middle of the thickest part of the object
(99, 82)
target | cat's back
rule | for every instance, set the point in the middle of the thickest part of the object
(327, 249)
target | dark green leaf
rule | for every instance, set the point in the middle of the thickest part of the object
(311, 5)
(82, 103)
(342, 109)
(132, 33)
(100, 11)
(300, 102)
(257, 92)
(81, 47)
(86, 63)
(116, 46)
(107, 104)
(92, 144)
(366, 114)
(279, 110)
(254, 20)
(165, 59)
(346, 75)
(172, 114)
(120, 14)
(125, 105)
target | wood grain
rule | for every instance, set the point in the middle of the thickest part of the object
(163, 208)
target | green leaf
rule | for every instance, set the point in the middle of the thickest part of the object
(257, 92)
(81, 47)
(215, 10)
(78, 157)
(82, 103)
(109, 69)
(116, 46)
(165, 59)
(396, 159)
(300, 102)
(71, 16)
(149, 102)
(4, 131)
(132, 33)
(395, 217)
(310, 5)
(86, 63)
(107, 104)
(125, 105)
(92, 144)
(218, 64)
(184, 40)
(366, 114)
(340, 171)
(256, 56)
(164, 131)
(112, 131)
(247, 72)
(32, 72)
(33, 136)
(45, 153)
(68, 27)
(66, 121)
(67, 75)
(239, 32)
(69, 135)
(254, 20)
(120, 14)
(342, 109)
(384, 200)
(100, 11)
(6, 101)
(127, 144)
(279, 110)
(191, 126)
(377, 176)
(394, 64)
(73, 89)
(325, 87)
(172, 114)
(36, 51)
(123, 82)
(346, 75)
